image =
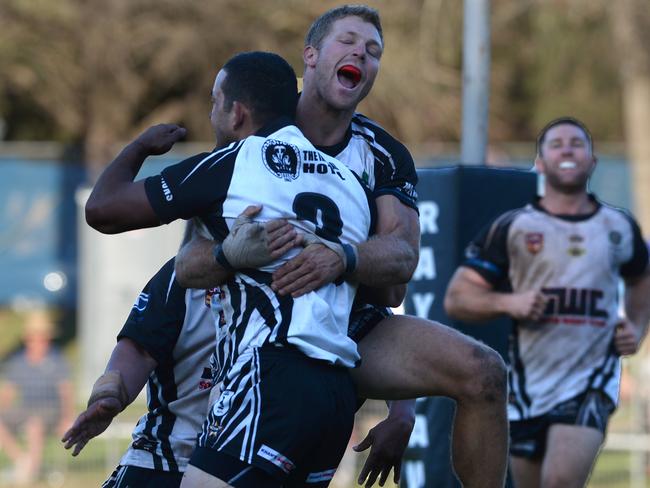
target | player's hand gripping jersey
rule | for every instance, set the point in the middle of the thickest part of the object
(281, 170)
(576, 261)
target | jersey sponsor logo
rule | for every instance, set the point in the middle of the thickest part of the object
(205, 383)
(534, 242)
(223, 404)
(321, 476)
(574, 306)
(165, 188)
(575, 248)
(321, 169)
(576, 251)
(274, 457)
(210, 295)
(141, 302)
(281, 159)
(409, 190)
(144, 444)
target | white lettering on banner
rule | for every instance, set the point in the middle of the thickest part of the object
(429, 212)
(426, 265)
(420, 435)
(422, 303)
(414, 474)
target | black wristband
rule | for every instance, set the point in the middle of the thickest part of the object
(220, 258)
(350, 258)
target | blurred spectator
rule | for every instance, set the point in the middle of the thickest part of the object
(36, 398)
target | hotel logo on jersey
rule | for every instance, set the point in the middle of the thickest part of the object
(281, 159)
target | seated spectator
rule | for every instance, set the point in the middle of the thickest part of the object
(36, 398)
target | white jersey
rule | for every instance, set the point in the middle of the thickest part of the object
(284, 172)
(577, 262)
(175, 326)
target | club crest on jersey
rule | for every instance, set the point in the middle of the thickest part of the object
(534, 242)
(281, 159)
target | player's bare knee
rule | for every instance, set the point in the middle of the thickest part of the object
(487, 376)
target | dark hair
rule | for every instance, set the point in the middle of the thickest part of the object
(264, 82)
(561, 121)
(322, 25)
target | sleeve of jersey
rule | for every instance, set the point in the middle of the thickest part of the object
(638, 263)
(398, 175)
(157, 316)
(487, 254)
(192, 187)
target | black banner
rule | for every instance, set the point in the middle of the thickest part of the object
(454, 203)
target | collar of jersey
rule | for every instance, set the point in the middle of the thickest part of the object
(571, 218)
(335, 149)
(274, 126)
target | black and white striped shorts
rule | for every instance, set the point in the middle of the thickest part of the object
(131, 476)
(285, 413)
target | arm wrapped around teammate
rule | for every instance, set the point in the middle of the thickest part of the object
(347, 252)
(247, 244)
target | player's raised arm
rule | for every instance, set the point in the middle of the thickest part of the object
(117, 203)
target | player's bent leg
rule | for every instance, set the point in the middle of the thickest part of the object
(570, 454)
(407, 357)
(525, 472)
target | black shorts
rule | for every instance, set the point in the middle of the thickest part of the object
(286, 414)
(590, 409)
(132, 476)
(364, 318)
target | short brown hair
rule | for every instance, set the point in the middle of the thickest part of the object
(322, 25)
(561, 121)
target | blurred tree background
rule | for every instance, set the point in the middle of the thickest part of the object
(91, 73)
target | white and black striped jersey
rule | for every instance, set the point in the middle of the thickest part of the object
(386, 166)
(577, 262)
(280, 169)
(382, 162)
(176, 327)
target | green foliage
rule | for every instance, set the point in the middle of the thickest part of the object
(94, 73)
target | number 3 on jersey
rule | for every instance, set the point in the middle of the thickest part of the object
(320, 211)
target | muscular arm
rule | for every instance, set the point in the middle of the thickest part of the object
(632, 329)
(117, 203)
(196, 267)
(133, 364)
(471, 298)
(387, 259)
(391, 255)
(637, 305)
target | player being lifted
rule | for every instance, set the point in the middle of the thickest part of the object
(403, 356)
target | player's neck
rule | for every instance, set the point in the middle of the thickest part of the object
(560, 203)
(321, 124)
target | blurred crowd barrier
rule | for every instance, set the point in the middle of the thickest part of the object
(624, 462)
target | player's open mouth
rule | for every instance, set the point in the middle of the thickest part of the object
(349, 76)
